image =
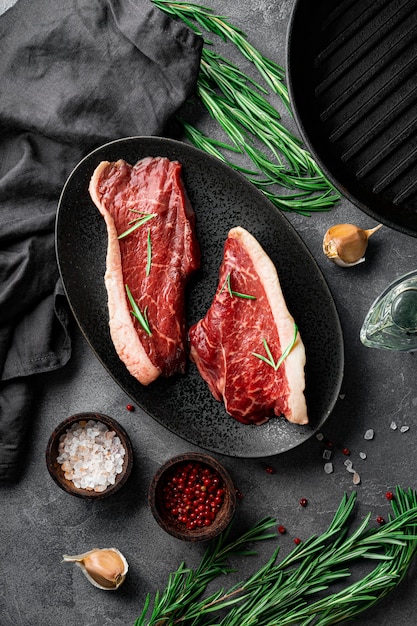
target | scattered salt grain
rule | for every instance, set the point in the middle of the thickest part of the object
(393, 426)
(319, 436)
(328, 468)
(349, 466)
(356, 478)
(369, 434)
(404, 429)
(327, 455)
(91, 455)
(362, 455)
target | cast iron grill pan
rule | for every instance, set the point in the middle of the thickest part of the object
(352, 77)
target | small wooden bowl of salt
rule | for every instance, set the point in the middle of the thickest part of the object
(89, 455)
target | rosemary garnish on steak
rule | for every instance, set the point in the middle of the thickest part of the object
(269, 358)
(149, 253)
(139, 221)
(136, 312)
(232, 293)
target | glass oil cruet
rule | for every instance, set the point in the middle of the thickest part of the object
(391, 322)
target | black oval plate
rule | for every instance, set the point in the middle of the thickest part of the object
(352, 79)
(221, 199)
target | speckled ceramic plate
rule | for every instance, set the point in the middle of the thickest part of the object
(221, 199)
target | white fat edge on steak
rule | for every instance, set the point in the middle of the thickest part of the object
(122, 330)
(284, 322)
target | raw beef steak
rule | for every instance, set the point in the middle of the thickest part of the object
(153, 261)
(228, 343)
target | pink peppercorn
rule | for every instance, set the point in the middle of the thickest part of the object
(193, 494)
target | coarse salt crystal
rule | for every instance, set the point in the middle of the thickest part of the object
(91, 455)
(404, 429)
(369, 434)
(328, 468)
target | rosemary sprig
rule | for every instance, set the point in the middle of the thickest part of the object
(136, 312)
(239, 105)
(286, 593)
(189, 13)
(186, 585)
(136, 223)
(232, 293)
(269, 358)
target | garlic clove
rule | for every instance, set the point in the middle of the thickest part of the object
(345, 244)
(105, 568)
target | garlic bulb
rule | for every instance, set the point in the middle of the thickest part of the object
(345, 244)
(105, 568)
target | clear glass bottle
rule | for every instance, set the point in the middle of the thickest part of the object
(391, 322)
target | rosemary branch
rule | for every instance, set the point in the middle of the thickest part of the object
(239, 105)
(185, 585)
(285, 593)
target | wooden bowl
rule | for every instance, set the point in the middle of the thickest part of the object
(168, 521)
(57, 472)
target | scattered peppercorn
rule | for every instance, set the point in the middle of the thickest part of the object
(303, 502)
(389, 495)
(282, 530)
(380, 519)
(297, 541)
(239, 494)
(130, 407)
(346, 451)
(269, 469)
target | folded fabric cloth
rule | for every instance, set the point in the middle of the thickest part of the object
(74, 74)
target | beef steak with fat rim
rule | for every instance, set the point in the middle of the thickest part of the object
(237, 328)
(154, 261)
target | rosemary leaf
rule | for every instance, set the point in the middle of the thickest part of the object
(136, 312)
(270, 359)
(148, 253)
(232, 293)
(145, 217)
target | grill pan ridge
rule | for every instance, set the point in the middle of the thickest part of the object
(352, 78)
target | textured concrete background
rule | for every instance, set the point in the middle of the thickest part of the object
(39, 522)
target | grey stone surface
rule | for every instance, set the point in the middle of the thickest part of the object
(39, 522)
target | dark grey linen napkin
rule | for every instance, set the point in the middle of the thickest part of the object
(74, 74)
